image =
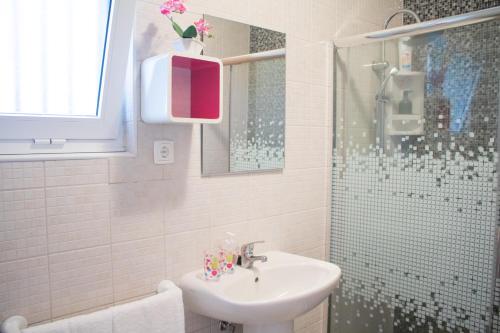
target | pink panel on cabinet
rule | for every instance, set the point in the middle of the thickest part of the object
(195, 88)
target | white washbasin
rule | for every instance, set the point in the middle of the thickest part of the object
(288, 286)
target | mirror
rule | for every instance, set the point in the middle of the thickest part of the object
(251, 137)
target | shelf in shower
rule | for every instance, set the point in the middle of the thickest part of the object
(403, 133)
(410, 74)
(406, 124)
(408, 117)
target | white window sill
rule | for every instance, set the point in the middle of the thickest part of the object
(68, 156)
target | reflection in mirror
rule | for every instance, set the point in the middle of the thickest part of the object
(251, 137)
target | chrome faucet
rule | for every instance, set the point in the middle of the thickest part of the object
(247, 257)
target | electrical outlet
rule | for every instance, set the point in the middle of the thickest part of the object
(164, 152)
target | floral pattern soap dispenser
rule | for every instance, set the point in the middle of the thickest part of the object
(222, 260)
(212, 266)
(230, 251)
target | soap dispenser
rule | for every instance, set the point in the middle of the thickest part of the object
(230, 251)
(405, 105)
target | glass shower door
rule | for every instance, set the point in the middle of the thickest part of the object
(414, 193)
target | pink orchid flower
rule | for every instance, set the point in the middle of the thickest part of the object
(181, 9)
(166, 9)
(179, 6)
(202, 26)
(173, 6)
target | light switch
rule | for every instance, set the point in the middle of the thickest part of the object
(163, 152)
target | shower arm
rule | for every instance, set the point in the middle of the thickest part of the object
(389, 19)
(401, 11)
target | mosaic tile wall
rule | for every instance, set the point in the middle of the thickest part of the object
(265, 40)
(413, 224)
(430, 10)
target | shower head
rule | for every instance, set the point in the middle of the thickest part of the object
(392, 72)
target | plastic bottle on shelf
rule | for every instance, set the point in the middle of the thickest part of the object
(405, 54)
(405, 105)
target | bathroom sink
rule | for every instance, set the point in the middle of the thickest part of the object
(265, 298)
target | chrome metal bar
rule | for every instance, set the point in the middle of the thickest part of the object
(401, 11)
(422, 28)
(252, 57)
(389, 19)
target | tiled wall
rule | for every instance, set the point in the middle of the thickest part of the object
(430, 10)
(76, 236)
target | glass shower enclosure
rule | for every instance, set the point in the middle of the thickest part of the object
(415, 184)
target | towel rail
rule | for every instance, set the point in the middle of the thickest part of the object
(253, 57)
(16, 324)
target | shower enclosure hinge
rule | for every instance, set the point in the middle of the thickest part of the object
(45, 142)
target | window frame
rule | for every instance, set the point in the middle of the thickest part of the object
(33, 135)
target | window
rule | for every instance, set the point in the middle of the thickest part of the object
(63, 65)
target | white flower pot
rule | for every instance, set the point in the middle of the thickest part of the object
(188, 45)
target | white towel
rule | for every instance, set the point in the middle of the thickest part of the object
(96, 322)
(162, 313)
(60, 326)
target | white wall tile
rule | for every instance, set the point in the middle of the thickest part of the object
(77, 217)
(317, 63)
(187, 205)
(80, 280)
(268, 14)
(141, 167)
(323, 24)
(138, 267)
(23, 231)
(222, 8)
(297, 60)
(302, 231)
(76, 172)
(298, 101)
(298, 18)
(187, 142)
(19, 175)
(305, 147)
(24, 289)
(184, 252)
(319, 109)
(268, 197)
(137, 210)
(229, 200)
(242, 234)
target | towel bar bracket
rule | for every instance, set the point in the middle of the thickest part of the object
(14, 324)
